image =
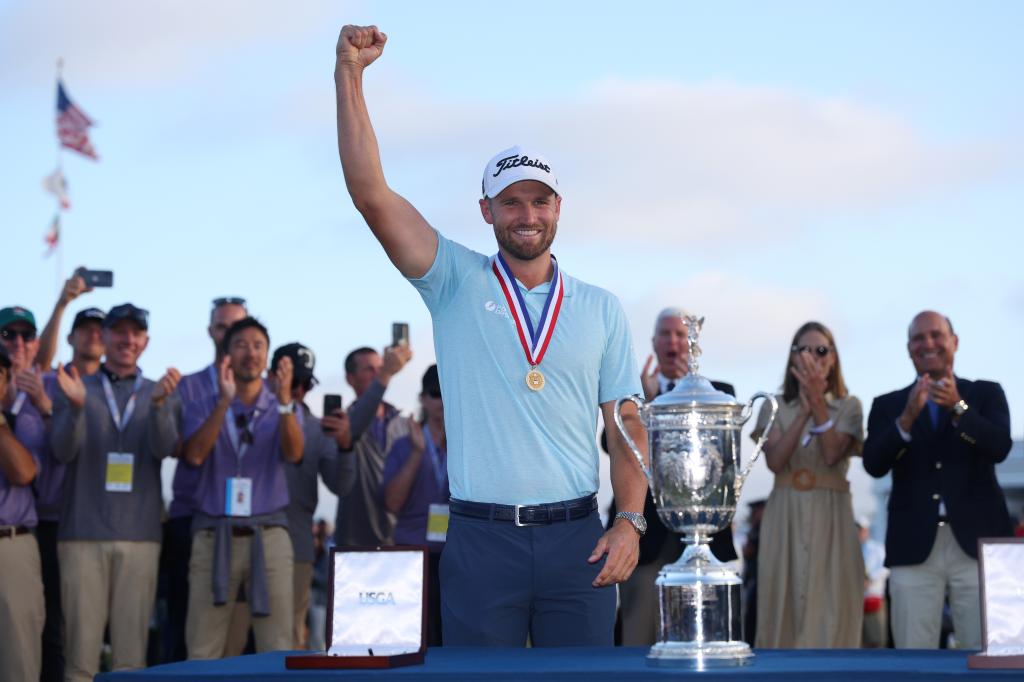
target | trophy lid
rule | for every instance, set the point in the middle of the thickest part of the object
(693, 389)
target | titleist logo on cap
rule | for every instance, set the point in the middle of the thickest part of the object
(516, 160)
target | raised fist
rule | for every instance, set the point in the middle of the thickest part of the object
(360, 45)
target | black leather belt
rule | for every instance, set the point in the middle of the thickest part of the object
(11, 531)
(527, 514)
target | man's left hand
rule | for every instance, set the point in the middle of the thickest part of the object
(622, 545)
(943, 392)
(283, 380)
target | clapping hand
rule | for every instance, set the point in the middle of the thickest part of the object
(812, 381)
(226, 380)
(31, 382)
(168, 382)
(416, 437)
(943, 392)
(72, 385)
(915, 402)
(283, 380)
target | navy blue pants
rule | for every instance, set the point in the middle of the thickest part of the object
(501, 582)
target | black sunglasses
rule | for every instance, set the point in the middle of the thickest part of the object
(11, 334)
(243, 426)
(820, 351)
(228, 300)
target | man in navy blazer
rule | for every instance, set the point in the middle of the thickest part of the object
(941, 438)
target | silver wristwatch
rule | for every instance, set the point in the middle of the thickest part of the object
(635, 518)
(286, 409)
(959, 409)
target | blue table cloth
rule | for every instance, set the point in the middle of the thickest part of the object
(592, 664)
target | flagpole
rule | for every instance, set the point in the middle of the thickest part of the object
(59, 260)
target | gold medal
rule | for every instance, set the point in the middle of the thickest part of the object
(534, 379)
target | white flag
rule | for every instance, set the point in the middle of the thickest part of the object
(55, 184)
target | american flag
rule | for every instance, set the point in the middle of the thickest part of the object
(73, 125)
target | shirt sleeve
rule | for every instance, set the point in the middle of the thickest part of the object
(397, 456)
(850, 420)
(620, 376)
(451, 266)
(193, 414)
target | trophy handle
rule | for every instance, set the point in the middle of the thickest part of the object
(629, 440)
(748, 411)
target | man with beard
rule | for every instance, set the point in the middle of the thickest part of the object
(241, 437)
(526, 554)
(177, 547)
(941, 438)
(112, 429)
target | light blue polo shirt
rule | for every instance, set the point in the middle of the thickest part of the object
(506, 443)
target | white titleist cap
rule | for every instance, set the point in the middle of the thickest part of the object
(515, 164)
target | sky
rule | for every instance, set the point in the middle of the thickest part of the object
(761, 164)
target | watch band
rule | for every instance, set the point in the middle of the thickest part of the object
(960, 408)
(286, 409)
(636, 519)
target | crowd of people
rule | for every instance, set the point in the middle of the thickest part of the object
(497, 476)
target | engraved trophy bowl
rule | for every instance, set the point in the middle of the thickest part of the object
(693, 437)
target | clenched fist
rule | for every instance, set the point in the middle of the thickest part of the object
(360, 45)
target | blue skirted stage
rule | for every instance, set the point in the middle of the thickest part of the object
(612, 664)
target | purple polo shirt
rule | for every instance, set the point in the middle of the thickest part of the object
(191, 389)
(17, 503)
(262, 461)
(411, 525)
(30, 430)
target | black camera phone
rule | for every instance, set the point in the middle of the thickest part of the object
(400, 333)
(332, 403)
(96, 278)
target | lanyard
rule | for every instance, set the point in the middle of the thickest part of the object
(19, 402)
(440, 472)
(120, 422)
(534, 339)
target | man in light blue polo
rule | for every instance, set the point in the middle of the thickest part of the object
(527, 355)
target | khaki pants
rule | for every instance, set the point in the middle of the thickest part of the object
(22, 609)
(103, 581)
(302, 582)
(206, 630)
(638, 599)
(918, 591)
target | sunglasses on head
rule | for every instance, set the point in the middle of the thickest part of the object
(245, 435)
(11, 334)
(820, 351)
(228, 300)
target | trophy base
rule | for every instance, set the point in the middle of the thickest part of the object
(701, 621)
(698, 657)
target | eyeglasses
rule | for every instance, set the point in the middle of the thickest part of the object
(820, 351)
(245, 435)
(26, 335)
(228, 300)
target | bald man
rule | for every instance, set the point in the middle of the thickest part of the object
(941, 438)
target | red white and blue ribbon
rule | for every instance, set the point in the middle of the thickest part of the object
(534, 340)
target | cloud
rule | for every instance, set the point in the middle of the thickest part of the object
(705, 163)
(122, 43)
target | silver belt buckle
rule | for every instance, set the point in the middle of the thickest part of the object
(515, 516)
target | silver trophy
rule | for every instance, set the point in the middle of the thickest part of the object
(693, 436)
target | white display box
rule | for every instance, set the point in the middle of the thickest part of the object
(1002, 603)
(377, 613)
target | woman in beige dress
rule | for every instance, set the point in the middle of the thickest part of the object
(810, 569)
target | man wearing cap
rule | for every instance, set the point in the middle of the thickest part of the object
(638, 596)
(22, 611)
(177, 546)
(241, 438)
(525, 551)
(941, 438)
(111, 429)
(86, 341)
(362, 521)
(327, 451)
